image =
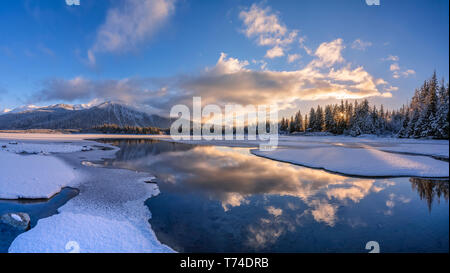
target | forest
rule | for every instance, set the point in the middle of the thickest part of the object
(425, 116)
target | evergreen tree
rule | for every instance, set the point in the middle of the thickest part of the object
(312, 120)
(319, 119)
(298, 121)
(330, 125)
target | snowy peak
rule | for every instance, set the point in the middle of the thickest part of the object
(24, 108)
(59, 106)
(65, 116)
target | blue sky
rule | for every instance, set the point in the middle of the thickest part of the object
(157, 53)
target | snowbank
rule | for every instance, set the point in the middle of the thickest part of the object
(40, 148)
(85, 233)
(360, 161)
(108, 215)
(32, 176)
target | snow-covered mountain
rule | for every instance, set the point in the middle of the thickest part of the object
(64, 116)
(23, 109)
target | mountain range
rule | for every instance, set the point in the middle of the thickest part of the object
(65, 116)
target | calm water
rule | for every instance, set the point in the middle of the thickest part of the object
(218, 199)
(37, 209)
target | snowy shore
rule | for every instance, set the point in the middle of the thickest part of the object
(108, 215)
(367, 156)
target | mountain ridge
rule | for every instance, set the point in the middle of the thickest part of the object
(65, 116)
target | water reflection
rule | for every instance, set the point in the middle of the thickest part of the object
(36, 208)
(225, 199)
(429, 189)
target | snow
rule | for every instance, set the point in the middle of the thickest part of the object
(35, 148)
(16, 217)
(92, 234)
(108, 215)
(32, 176)
(360, 161)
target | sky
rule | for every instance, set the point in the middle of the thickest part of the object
(154, 54)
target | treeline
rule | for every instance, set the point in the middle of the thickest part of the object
(426, 116)
(115, 129)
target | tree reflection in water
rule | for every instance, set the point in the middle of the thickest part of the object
(429, 189)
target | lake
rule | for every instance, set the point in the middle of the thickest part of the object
(221, 199)
(36, 209)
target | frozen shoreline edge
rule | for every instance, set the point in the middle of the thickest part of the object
(252, 151)
(70, 159)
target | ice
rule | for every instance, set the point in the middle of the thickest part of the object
(16, 217)
(108, 215)
(39, 148)
(32, 176)
(88, 234)
(360, 161)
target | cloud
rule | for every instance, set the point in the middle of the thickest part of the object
(391, 58)
(228, 65)
(91, 57)
(329, 53)
(293, 57)
(130, 24)
(140, 92)
(246, 86)
(231, 81)
(408, 72)
(274, 52)
(301, 42)
(380, 82)
(391, 88)
(394, 67)
(361, 45)
(397, 73)
(264, 25)
(324, 212)
(262, 63)
(274, 211)
(47, 51)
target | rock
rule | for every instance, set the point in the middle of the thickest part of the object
(149, 180)
(17, 220)
(86, 149)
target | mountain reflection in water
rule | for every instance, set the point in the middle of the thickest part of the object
(225, 199)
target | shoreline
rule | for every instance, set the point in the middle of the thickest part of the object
(105, 200)
(108, 196)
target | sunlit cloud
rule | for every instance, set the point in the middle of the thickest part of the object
(230, 80)
(264, 25)
(324, 212)
(408, 72)
(394, 67)
(293, 57)
(274, 211)
(329, 53)
(274, 52)
(391, 88)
